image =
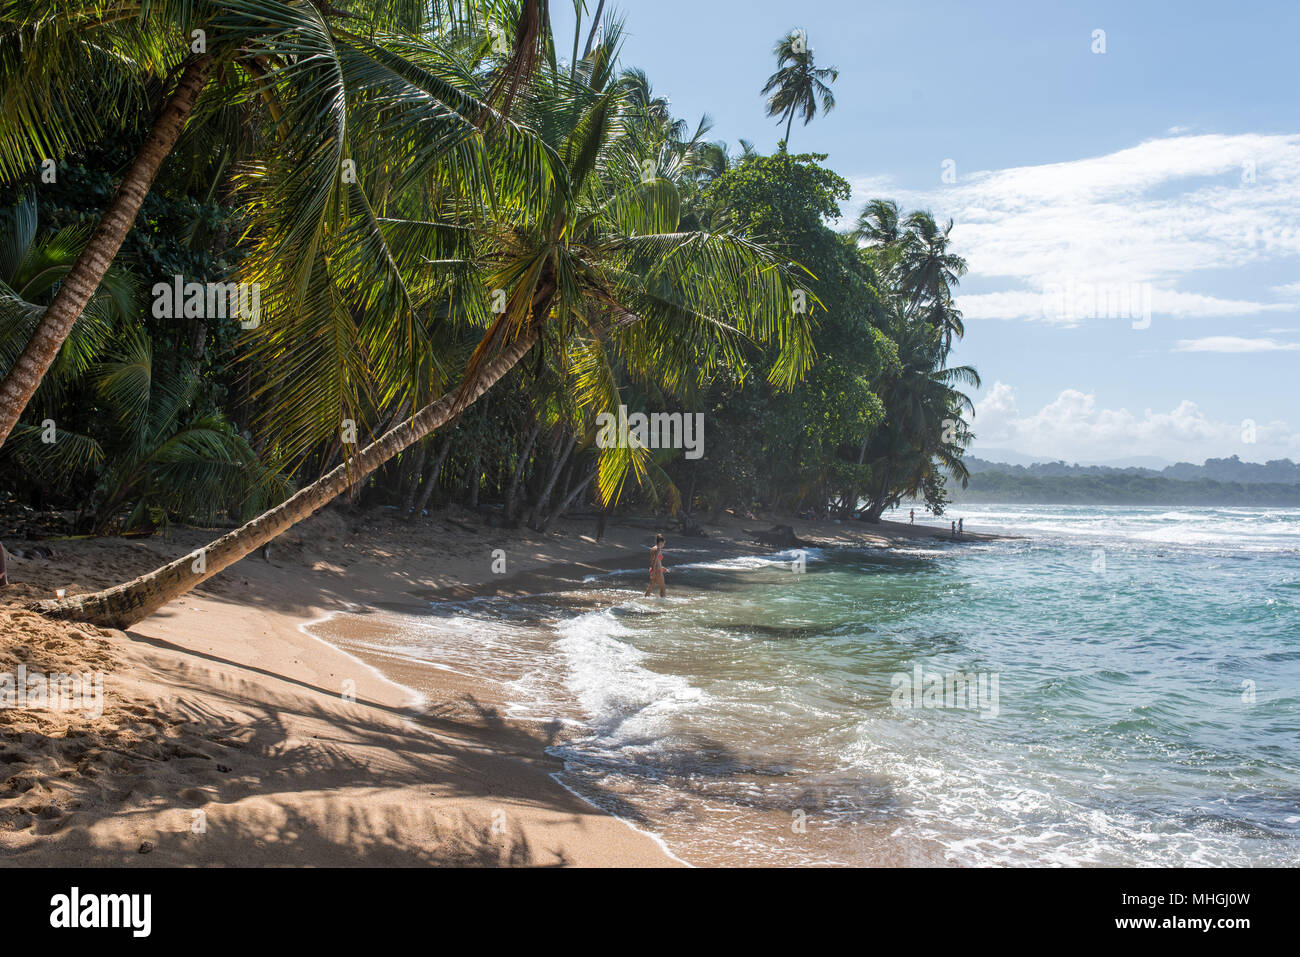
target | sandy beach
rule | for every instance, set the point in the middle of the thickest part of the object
(230, 734)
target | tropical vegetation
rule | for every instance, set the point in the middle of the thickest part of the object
(471, 238)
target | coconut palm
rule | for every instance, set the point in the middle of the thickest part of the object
(74, 69)
(926, 423)
(914, 259)
(32, 269)
(590, 262)
(162, 452)
(944, 316)
(928, 272)
(878, 224)
(798, 85)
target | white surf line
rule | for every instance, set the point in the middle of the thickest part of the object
(663, 845)
(415, 700)
(420, 702)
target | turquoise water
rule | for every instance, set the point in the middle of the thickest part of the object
(1136, 676)
(1146, 664)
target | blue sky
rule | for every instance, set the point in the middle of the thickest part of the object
(1165, 170)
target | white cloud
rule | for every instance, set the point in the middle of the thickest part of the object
(1073, 427)
(1163, 213)
(1234, 344)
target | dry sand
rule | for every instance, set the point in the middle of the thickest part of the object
(229, 733)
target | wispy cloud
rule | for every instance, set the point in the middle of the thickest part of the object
(1165, 213)
(1235, 344)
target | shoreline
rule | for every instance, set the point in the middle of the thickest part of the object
(565, 580)
(209, 696)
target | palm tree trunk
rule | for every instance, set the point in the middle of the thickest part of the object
(595, 25)
(476, 470)
(568, 501)
(788, 124)
(87, 272)
(124, 605)
(431, 482)
(408, 503)
(876, 507)
(540, 506)
(512, 493)
(849, 507)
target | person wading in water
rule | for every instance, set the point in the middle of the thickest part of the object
(657, 568)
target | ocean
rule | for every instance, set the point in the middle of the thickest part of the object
(1119, 686)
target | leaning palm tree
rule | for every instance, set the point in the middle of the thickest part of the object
(590, 260)
(798, 84)
(75, 69)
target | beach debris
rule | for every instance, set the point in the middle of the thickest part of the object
(33, 551)
(145, 847)
(691, 528)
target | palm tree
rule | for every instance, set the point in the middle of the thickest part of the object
(914, 258)
(798, 84)
(73, 69)
(926, 422)
(590, 260)
(163, 454)
(944, 316)
(32, 268)
(878, 224)
(927, 271)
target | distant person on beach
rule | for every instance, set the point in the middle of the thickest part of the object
(911, 516)
(960, 530)
(657, 568)
(954, 529)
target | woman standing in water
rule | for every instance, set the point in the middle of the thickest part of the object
(657, 568)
